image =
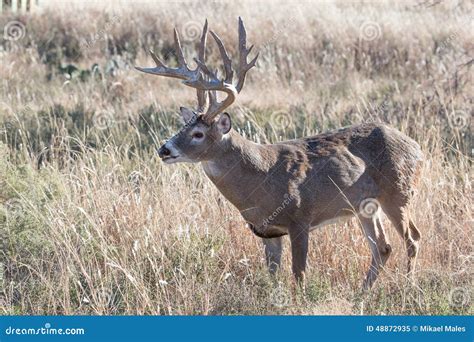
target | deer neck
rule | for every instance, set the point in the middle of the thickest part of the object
(235, 152)
(238, 164)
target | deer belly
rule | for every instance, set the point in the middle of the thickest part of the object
(266, 231)
(333, 220)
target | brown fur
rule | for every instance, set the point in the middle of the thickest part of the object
(325, 177)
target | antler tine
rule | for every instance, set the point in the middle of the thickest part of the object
(182, 71)
(217, 107)
(179, 50)
(202, 45)
(229, 74)
(156, 60)
(203, 67)
(244, 52)
(201, 93)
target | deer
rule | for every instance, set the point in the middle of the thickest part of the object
(293, 187)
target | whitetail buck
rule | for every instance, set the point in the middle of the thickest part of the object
(295, 186)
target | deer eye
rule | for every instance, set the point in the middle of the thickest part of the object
(198, 135)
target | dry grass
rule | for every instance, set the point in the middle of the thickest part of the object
(92, 223)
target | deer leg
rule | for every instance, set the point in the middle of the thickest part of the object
(299, 251)
(273, 249)
(409, 233)
(382, 236)
(379, 247)
(412, 245)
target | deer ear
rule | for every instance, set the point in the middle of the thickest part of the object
(186, 113)
(224, 123)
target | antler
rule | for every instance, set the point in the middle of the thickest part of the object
(182, 71)
(243, 54)
(205, 80)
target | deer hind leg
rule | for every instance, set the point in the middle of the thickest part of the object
(273, 249)
(407, 230)
(379, 247)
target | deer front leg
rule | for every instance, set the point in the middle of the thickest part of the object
(273, 249)
(299, 250)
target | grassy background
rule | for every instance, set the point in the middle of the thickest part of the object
(91, 222)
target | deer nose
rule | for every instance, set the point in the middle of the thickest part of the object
(163, 152)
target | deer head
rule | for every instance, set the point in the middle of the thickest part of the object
(206, 126)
